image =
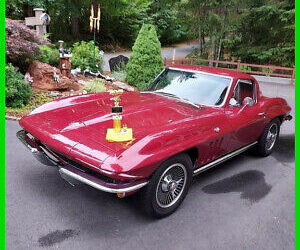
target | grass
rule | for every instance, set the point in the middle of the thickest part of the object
(120, 72)
(95, 85)
(36, 99)
(119, 75)
(39, 98)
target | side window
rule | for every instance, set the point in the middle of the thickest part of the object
(244, 89)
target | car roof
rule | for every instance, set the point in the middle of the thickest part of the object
(214, 70)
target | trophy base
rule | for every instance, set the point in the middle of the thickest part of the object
(122, 136)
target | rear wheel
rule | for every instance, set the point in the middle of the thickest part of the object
(168, 186)
(269, 138)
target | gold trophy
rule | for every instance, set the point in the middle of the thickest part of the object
(118, 133)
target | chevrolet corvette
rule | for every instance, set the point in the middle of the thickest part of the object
(191, 118)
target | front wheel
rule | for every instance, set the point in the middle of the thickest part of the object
(168, 186)
(269, 138)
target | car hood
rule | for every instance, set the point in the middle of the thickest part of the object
(78, 124)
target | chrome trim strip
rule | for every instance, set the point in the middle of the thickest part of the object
(100, 187)
(222, 159)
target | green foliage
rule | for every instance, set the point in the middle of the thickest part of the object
(267, 71)
(270, 38)
(170, 21)
(37, 98)
(245, 68)
(95, 85)
(120, 72)
(17, 91)
(260, 32)
(195, 54)
(83, 56)
(145, 60)
(198, 62)
(49, 55)
(119, 75)
(121, 20)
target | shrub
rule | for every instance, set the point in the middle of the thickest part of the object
(95, 85)
(198, 62)
(245, 68)
(49, 55)
(145, 60)
(120, 72)
(21, 43)
(194, 53)
(267, 71)
(119, 75)
(83, 56)
(17, 91)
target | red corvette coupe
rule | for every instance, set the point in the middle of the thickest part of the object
(192, 118)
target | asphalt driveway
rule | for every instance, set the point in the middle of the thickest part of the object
(245, 203)
(177, 51)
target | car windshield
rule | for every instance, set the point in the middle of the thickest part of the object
(200, 88)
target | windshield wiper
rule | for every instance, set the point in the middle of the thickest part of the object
(177, 97)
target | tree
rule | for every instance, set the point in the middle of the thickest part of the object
(198, 10)
(210, 19)
(121, 20)
(259, 31)
(21, 43)
(145, 61)
(265, 33)
(166, 15)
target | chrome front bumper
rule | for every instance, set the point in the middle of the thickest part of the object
(74, 175)
(35, 149)
(70, 174)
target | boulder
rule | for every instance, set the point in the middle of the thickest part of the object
(123, 85)
(43, 78)
(115, 62)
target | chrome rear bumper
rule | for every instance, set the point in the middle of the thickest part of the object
(74, 175)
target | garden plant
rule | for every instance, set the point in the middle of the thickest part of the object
(145, 61)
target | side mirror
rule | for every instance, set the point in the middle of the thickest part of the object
(248, 101)
(233, 102)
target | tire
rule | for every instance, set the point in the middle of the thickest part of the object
(168, 186)
(269, 138)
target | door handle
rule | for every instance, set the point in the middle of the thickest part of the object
(262, 114)
(217, 129)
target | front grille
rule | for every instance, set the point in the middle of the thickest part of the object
(79, 166)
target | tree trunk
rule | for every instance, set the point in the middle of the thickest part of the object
(200, 42)
(28, 11)
(219, 51)
(75, 26)
(212, 50)
(203, 43)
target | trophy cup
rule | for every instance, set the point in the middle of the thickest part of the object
(118, 133)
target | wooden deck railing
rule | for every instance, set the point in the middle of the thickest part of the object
(272, 70)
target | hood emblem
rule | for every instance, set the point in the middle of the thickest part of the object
(118, 133)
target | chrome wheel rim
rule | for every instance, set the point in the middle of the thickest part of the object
(171, 185)
(271, 136)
